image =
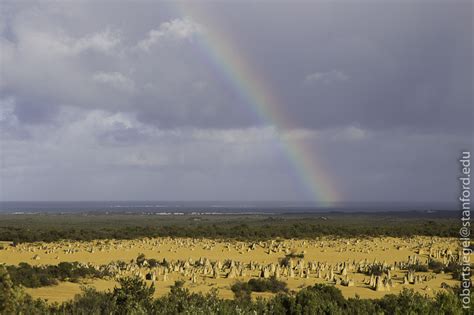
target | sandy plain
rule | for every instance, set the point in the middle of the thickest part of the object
(205, 264)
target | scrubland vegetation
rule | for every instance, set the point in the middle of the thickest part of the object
(38, 276)
(134, 296)
(49, 228)
(282, 240)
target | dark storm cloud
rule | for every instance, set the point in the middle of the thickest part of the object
(401, 64)
(125, 98)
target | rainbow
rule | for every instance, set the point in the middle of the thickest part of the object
(238, 70)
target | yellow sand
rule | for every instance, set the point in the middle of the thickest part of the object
(330, 250)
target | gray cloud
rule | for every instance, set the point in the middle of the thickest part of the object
(125, 99)
(325, 77)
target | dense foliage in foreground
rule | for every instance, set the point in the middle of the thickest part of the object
(135, 297)
(49, 228)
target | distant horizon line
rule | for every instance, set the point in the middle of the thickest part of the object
(244, 201)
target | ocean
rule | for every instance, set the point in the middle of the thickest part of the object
(213, 207)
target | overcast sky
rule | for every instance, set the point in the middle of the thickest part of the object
(119, 100)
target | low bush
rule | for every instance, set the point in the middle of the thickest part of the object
(418, 267)
(134, 296)
(436, 266)
(39, 276)
(242, 290)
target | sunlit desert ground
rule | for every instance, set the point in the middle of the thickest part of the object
(206, 264)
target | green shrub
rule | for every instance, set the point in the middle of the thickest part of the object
(267, 285)
(243, 289)
(376, 270)
(295, 255)
(35, 276)
(436, 266)
(418, 267)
